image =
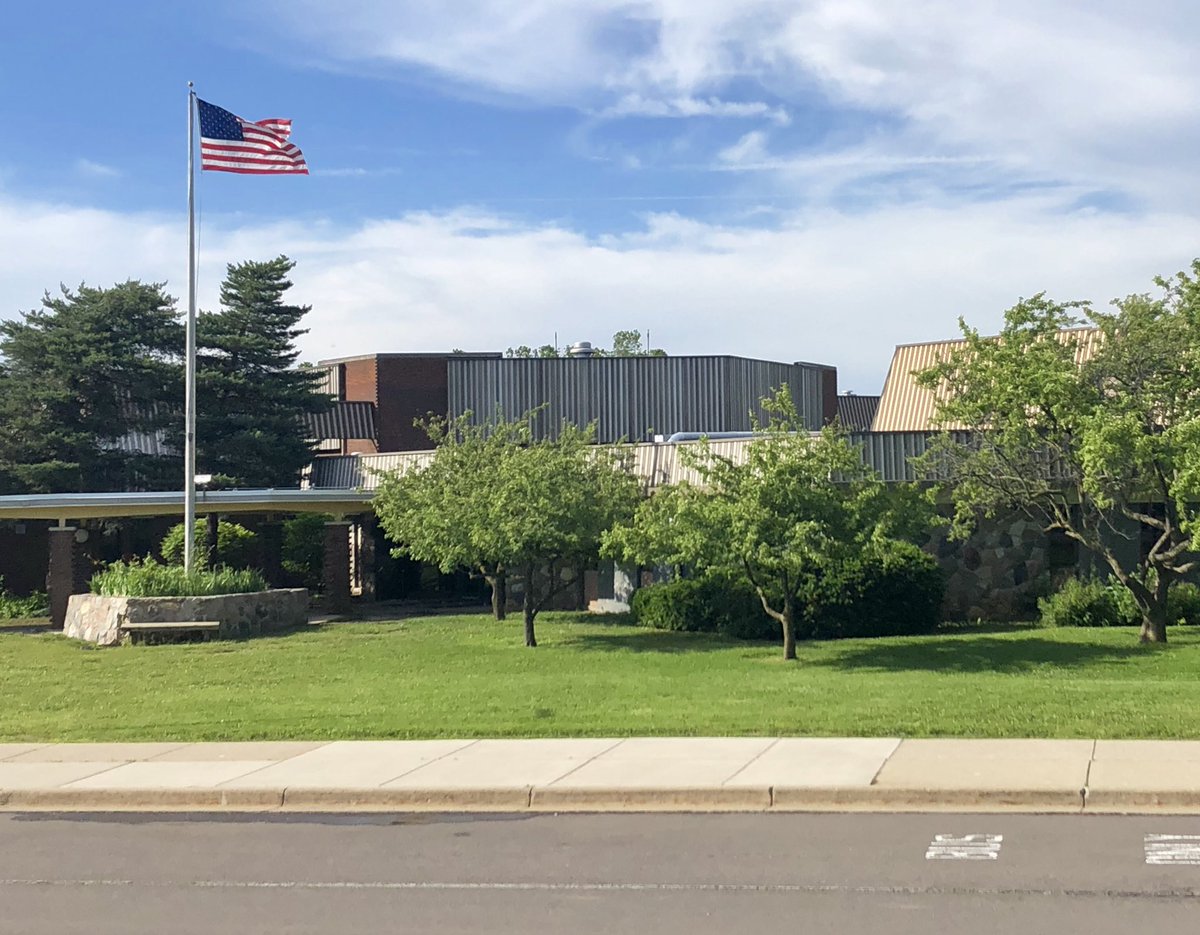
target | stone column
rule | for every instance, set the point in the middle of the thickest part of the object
(62, 580)
(337, 567)
(270, 558)
(625, 581)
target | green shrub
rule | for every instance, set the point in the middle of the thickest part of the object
(891, 589)
(236, 545)
(1183, 604)
(1086, 603)
(714, 603)
(20, 608)
(304, 548)
(149, 579)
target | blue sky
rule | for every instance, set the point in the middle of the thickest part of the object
(791, 179)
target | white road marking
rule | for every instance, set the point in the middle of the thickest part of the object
(965, 847)
(1172, 848)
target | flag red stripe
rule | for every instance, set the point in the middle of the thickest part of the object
(289, 153)
(298, 170)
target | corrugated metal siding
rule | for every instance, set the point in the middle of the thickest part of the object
(631, 397)
(331, 382)
(856, 413)
(344, 420)
(656, 464)
(907, 407)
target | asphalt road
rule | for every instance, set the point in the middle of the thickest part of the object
(661, 874)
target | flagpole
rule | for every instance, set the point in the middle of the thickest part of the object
(189, 441)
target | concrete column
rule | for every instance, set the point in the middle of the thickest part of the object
(270, 557)
(337, 567)
(63, 577)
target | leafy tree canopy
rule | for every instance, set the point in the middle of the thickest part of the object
(787, 517)
(497, 501)
(624, 344)
(1107, 451)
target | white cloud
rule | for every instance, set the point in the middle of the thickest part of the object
(96, 170)
(833, 287)
(1099, 93)
(635, 105)
(749, 150)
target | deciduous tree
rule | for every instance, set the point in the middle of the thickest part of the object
(1104, 451)
(497, 501)
(787, 516)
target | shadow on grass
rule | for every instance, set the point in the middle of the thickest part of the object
(625, 639)
(980, 653)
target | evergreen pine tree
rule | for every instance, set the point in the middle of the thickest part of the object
(251, 399)
(76, 377)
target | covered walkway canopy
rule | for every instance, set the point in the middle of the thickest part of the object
(77, 506)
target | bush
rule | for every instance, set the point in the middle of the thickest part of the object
(1087, 603)
(149, 579)
(892, 589)
(236, 545)
(1183, 604)
(304, 548)
(20, 608)
(713, 603)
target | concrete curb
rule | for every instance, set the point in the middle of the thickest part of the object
(133, 800)
(551, 799)
(514, 799)
(717, 799)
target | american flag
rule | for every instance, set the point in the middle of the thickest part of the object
(230, 144)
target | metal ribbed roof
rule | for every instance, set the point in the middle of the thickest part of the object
(907, 407)
(856, 413)
(344, 420)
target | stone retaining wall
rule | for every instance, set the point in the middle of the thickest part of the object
(98, 619)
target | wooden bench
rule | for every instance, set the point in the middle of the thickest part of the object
(139, 631)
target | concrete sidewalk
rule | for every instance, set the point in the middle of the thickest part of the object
(638, 774)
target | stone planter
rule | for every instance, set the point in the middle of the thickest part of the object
(98, 619)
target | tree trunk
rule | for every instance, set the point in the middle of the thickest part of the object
(1154, 614)
(788, 622)
(499, 583)
(581, 602)
(529, 613)
(529, 608)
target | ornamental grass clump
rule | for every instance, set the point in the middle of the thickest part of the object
(149, 579)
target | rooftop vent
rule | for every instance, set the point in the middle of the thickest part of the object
(581, 349)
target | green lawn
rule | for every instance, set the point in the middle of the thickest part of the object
(470, 677)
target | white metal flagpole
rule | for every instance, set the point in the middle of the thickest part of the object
(189, 440)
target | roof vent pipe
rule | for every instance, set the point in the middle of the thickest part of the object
(581, 349)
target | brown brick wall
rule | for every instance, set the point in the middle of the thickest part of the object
(409, 388)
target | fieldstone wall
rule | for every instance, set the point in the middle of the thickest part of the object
(996, 574)
(98, 619)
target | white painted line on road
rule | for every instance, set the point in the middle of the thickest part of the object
(1172, 848)
(965, 847)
